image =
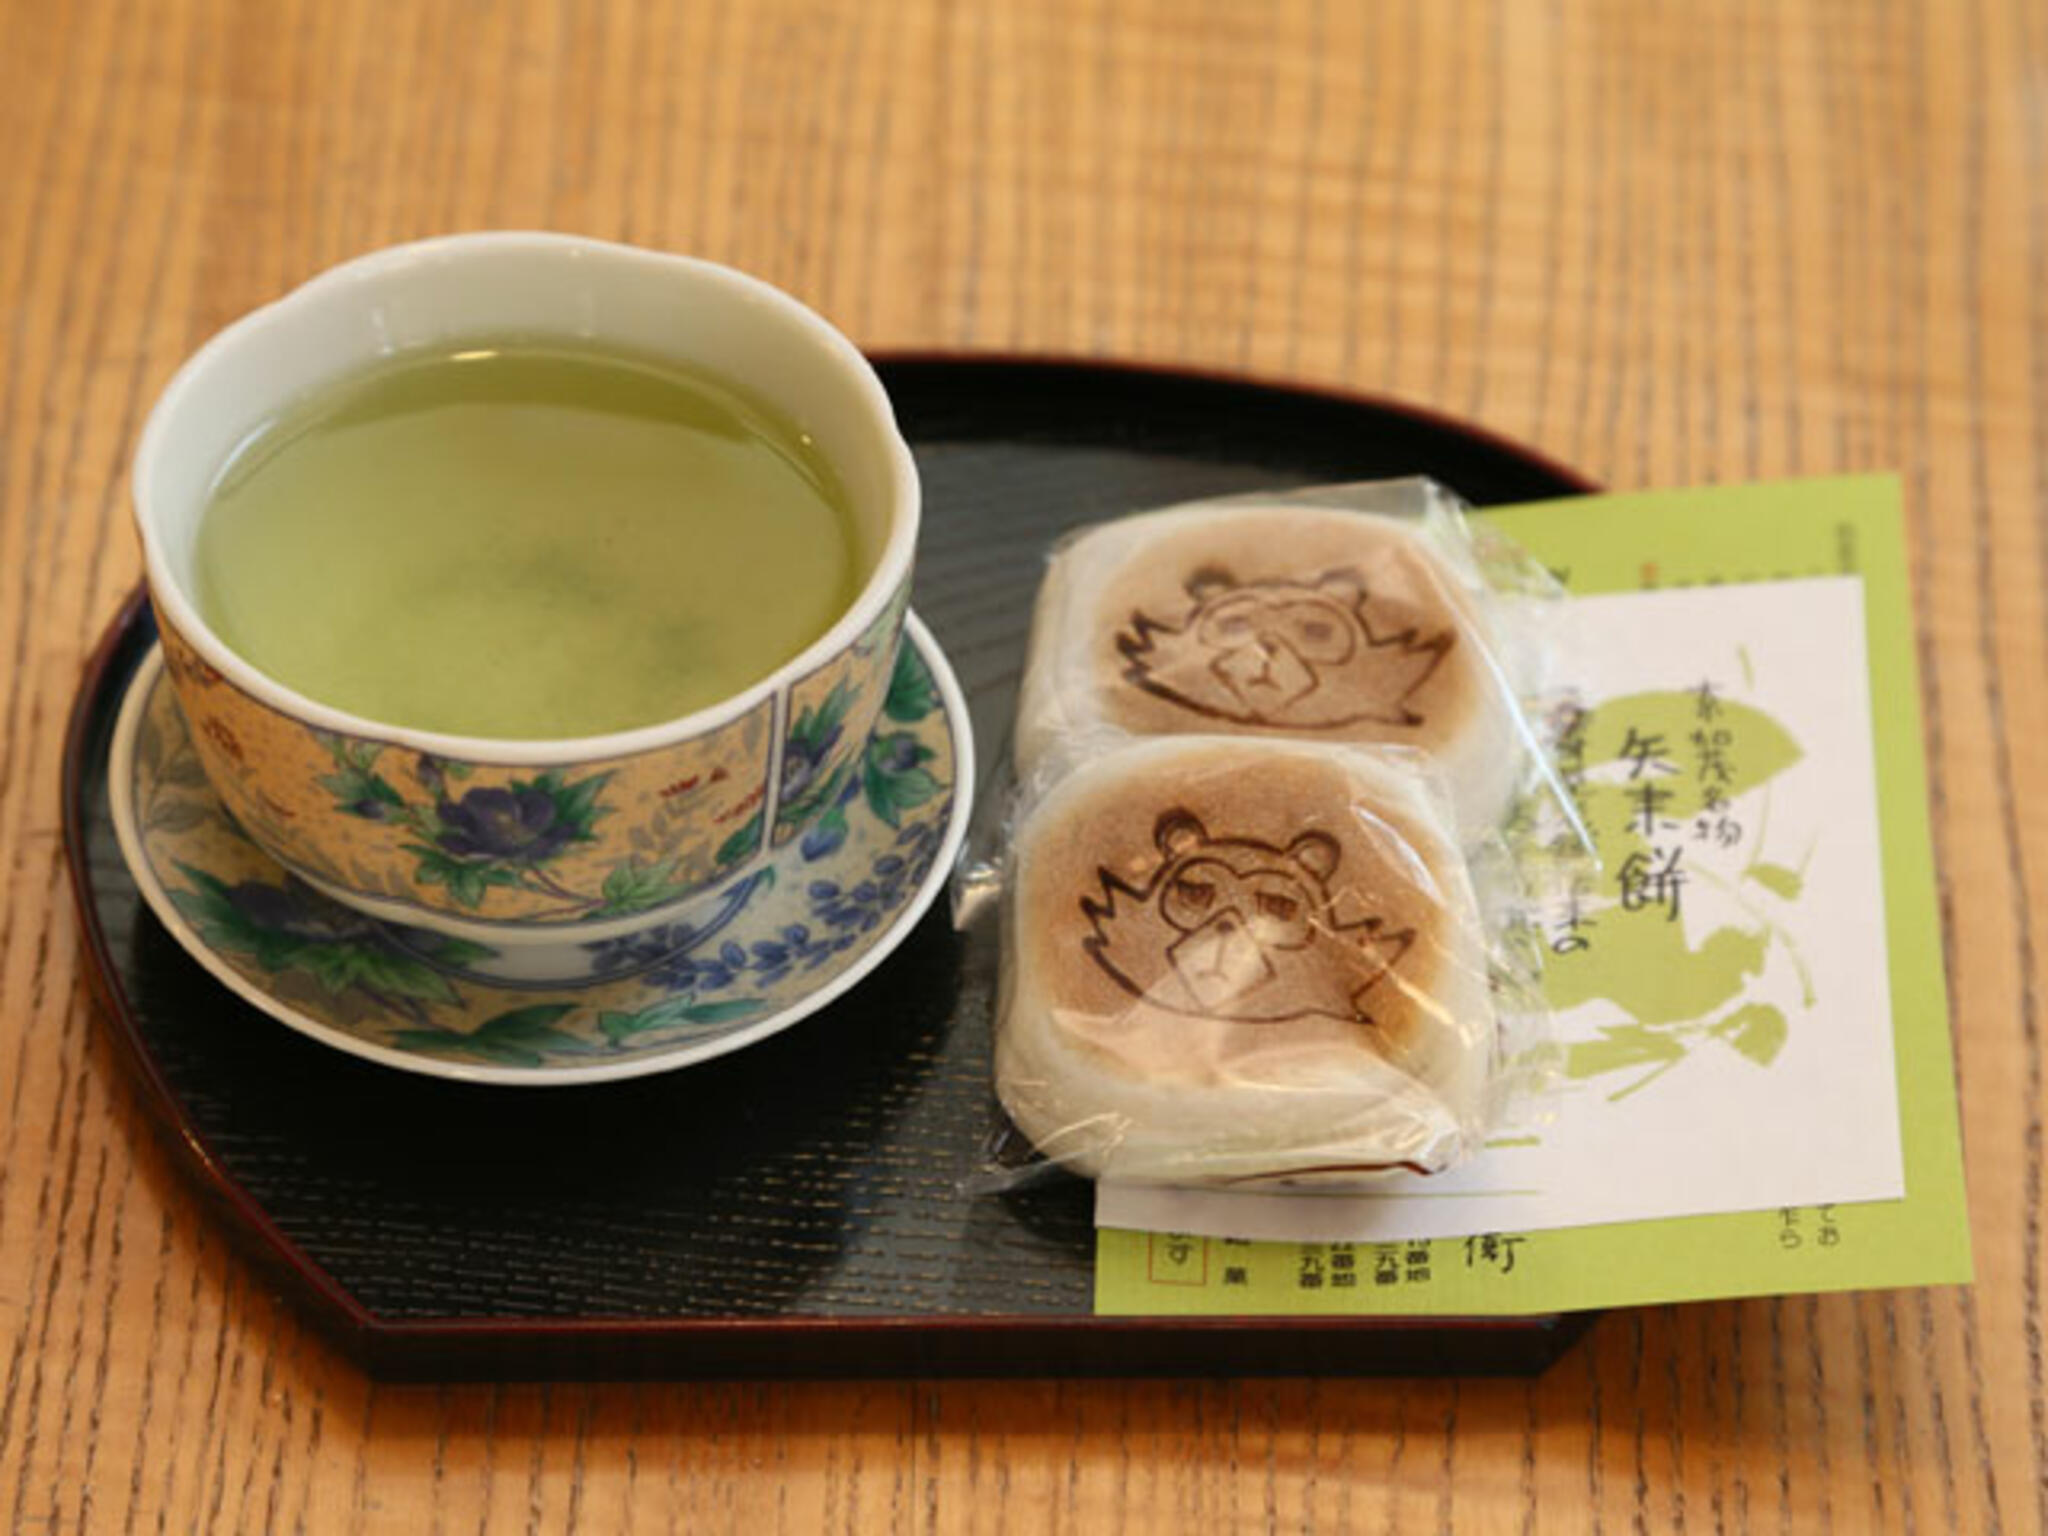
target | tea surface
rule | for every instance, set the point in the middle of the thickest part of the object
(525, 541)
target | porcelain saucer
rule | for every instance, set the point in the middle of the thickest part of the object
(778, 945)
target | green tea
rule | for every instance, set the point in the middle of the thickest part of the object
(525, 541)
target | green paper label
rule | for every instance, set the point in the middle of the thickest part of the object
(1677, 783)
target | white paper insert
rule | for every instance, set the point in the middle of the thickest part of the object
(1725, 1043)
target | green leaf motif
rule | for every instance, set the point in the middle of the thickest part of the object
(466, 882)
(374, 968)
(814, 727)
(672, 1012)
(178, 816)
(824, 792)
(892, 790)
(1642, 965)
(1778, 880)
(355, 790)
(742, 843)
(1620, 1047)
(338, 962)
(1760, 749)
(445, 949)
(575, 804)
(912, 693)
(831, 826)
(634, 887)
(518, 1038)
(355, 783)
(529, 1024)
(210, 903)
(1757, 1030)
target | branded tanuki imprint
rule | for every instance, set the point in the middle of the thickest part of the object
(1255, 908)
(1235, 928)
(1313, 623)
(1297, 655)
(1238, 959)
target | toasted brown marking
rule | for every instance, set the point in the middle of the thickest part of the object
(1097, 929)
(1292, 621)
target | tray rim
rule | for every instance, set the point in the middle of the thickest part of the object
(1415, 412)
(470, 1346)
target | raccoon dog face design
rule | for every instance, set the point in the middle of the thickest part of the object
(1233, 928)
(1288, 654)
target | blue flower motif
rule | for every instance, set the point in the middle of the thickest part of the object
(828, 834)
(517, 826)
(803, 759)
(889, 884)
(639, 951)
(824, 839)
(296, 910)
(430, 771)
(898, 752)
(839, 919)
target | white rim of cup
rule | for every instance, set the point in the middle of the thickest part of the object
(891, 568)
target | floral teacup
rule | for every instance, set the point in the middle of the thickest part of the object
(530, 851)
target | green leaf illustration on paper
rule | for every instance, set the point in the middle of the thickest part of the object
(1621, 1046)
(1667, 783)
(1785, 884)
(1642, 965)
(1757, 1030)
(1763, 749)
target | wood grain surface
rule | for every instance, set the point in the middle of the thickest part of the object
(1667, 244)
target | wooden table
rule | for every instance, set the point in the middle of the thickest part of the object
(1668, 245)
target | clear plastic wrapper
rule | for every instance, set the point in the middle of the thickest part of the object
(1367, 613)
(1246, 962)
(1279, 818)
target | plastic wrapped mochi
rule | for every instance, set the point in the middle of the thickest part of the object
(1242, 961)
(1344, 615)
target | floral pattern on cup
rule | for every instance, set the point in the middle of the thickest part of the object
(483, 842)
(785, 932)
(831, 712)
(693, 804)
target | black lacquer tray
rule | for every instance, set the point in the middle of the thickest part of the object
(797, 1208)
